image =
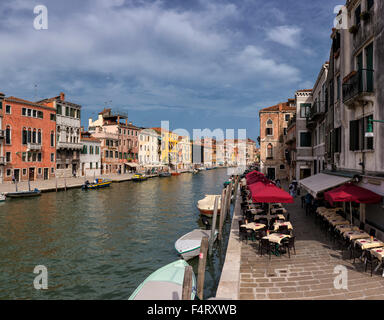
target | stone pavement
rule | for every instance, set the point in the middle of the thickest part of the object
(307, 275)
(50, 185)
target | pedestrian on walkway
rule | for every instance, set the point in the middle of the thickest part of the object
(13, 179)
(292, 190)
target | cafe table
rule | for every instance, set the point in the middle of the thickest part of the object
(278, 216)
(256, 211)
(276, 225)
(254, 226)
(356, 234)
(379, 254)
(337, 221)
(282, 210)
(276, 237)
(346, 227)
(368, 243)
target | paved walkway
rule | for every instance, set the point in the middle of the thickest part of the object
(50, 185)
(310, 273)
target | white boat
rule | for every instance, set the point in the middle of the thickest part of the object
(188, 246)
(2, 197)
(165, 283)
(206, 205)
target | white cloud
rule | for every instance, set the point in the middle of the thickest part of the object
(286, 35)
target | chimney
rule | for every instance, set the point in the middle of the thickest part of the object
(126, 121)
(280, 107)
(62, 96)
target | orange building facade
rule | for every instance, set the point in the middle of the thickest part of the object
(29, 140)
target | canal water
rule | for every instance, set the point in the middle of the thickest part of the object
(101, 244)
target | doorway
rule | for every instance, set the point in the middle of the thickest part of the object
(16, 173)
(46, 171)
(31, 174)
(271, 173)
(305, 173)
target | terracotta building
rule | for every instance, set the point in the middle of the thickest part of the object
(68, 139)
(119, 141)
(273, 128)
(29, 140)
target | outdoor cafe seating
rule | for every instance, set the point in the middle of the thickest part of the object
(346, 231)
(264, 216)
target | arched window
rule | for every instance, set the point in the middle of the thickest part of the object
(8, 135)
(29, 135)
(269, 128)
(25, 136)
(34, 136)
(270, 151)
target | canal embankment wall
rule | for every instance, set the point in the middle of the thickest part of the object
(229, 284)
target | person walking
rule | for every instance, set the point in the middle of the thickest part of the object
(13, 179)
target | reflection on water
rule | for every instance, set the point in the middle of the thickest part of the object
(101, 244)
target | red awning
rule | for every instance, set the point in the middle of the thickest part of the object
(257, 179)
(271, 194)
(253, 173)
(254, 187)
(350, 192)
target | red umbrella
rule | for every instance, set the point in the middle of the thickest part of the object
(350, 192)
(255, 179)
(254, 187)
(271, 194)
(253, 173)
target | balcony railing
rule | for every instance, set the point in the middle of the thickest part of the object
(33, 147)
(69, 145)
(360, 83)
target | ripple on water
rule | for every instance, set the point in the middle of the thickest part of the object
(102, 244)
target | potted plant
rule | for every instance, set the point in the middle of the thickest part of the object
(354, 29)
(365, 15)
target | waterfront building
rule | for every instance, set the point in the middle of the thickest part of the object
(220, 153)
(290, 149)
(184, 160)
(29, 144)
(304, 158)
(273, 128)
(148, 148)
(2, 135)
(90, 156)
(119, 141)
(68, 140)
(169, 141)
(230, 153)
(354, 96)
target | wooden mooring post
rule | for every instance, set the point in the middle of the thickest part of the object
(56, 182)
(201, 267)
(213, 228)
(222, 210)
(65, 183)
(187, 283)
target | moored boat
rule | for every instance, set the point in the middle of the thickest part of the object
(98, 183)
(164, 174)
(139, 177)
(188, 246)
(2, 197)
(165, 283)
(175, 173)
(206, 205)
(23, 194)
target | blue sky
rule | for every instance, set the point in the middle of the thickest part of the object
(197, 63)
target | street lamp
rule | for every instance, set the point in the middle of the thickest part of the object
(369, 132)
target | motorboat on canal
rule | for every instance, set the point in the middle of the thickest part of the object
(24, 194)
(207, 204)
(98, 183)
(175, 173)
(164, 174)
(165, 283)
(188, 246)
(2, 197)
(138, 177)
